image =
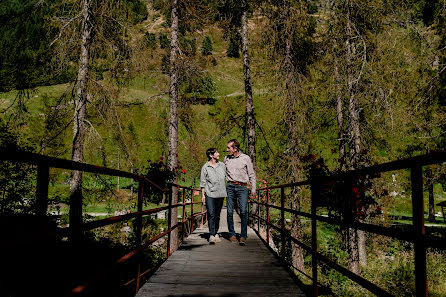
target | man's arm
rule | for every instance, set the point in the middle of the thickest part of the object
(252, 176)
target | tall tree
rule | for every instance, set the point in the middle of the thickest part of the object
(79, 120)
(292, 78)
(173, 118)
(250, 116)
(355, 237)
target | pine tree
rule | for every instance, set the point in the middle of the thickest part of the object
(206, 48)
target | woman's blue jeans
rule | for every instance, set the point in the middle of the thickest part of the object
(213, 206)
(240, 194)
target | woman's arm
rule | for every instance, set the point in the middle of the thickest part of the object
(203, 183)
(203, 197)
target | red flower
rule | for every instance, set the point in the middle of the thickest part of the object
(333, 150)
(313, 156)
(183, 171)
(183, 179)
(356, 192)
(161, 158)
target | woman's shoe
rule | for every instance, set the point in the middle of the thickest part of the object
(217, 238)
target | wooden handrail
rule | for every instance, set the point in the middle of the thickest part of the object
(43, 164)
(419, 238)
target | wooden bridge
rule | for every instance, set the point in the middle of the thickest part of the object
(223, 269)
(197, 268)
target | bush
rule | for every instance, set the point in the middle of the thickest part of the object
(150, 40)
(206, 48)
(233, 50)
(164, 41)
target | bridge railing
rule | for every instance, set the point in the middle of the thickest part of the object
(416, 234)
(44, 163)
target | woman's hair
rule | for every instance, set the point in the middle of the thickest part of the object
(235, 144)
(210, 152)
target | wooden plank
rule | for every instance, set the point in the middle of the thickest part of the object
(223, 269)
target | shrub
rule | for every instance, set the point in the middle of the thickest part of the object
(206, 48)
(150, 40)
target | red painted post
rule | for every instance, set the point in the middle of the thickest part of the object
(43, 176)
(139, 231)
(267, 216)
(202, 209)
(258, 211)
(184, 218)
(416, 176)
(282, 216)
(169, 218)
(314, 239)
(192, 213)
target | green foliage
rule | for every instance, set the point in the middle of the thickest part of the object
(150, 39)
(165, 63)
(233, 50)
(188, 46)
(25, 39)
(164, 41)
(17, 180)
(138, 10)
(159, 173)
(206, 47)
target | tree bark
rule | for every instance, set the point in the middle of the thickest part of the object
(357, 244)
(290, 78)
(75, 214)
(431, 203)
(173, 120)
(250, 120)
(430, 189)
(340, 116)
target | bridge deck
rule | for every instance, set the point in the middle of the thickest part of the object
(224, 269)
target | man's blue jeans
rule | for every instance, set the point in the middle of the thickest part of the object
(214, 206)
(240, 194)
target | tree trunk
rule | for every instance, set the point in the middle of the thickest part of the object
(431, 203)
(354, 145)
(117, 179)
(250, 120)
(430, 188)
(340, 117)
(290, 77)
(75, 214)
(353, 251)
(173, 120)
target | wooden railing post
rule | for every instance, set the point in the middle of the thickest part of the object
(184, 218)
(139, 231)
(191, 213)
(416, 176)
(202, 209)
(43, 176)
(314, 239)
(258, 211)
(282, 217)
(267, 216)
(169, 218)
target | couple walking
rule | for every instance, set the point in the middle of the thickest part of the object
(237, 170)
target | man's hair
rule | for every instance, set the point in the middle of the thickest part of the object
(210, 152)
(235, 143)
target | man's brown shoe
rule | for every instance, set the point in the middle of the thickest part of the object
(242, 241)
(233, 239)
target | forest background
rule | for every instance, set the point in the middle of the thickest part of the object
(367, 82)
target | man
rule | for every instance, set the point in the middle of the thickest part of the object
(239, 171)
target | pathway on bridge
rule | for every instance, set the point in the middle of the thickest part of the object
(222, 270)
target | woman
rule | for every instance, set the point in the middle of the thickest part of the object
(213, 191)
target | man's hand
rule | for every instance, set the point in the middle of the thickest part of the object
(203, 199)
